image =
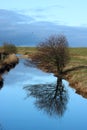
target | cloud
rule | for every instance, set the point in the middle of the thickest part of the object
(8, 17)
(45, 8)
(33, 33)
(38, 9)
(44, 13)
(21, 29)
(56, 6)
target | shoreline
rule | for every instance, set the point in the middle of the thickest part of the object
(8, 63)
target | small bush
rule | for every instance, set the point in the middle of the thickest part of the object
(9, 48)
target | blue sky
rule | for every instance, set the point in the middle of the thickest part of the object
(62, 12)
(28, 22)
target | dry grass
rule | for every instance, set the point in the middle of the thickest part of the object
(78, 78)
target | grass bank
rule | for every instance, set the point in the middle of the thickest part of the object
(78, 77)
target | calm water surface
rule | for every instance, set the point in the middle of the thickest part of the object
(27, 102)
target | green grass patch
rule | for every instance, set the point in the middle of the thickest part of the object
(26, 50)
(78, 51)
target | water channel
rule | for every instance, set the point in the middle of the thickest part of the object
(29, 100)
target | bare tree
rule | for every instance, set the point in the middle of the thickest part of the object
(9, 48)
(52, 54)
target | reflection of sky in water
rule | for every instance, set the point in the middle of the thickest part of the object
(27, 75)
(16, 113)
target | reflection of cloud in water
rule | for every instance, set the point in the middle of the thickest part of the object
(50, 98)
(22, 75)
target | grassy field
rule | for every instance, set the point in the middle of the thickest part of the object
(78, 56)
(26, 50)
(73, 51)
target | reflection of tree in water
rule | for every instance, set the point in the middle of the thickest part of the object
(1, 82)
(52, 98)
(6, 68)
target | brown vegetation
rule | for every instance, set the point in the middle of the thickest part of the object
(9, 48)
(52, 53)
(8, 63)
(11, 58)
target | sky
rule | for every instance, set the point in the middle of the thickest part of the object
(61, 12)
(24, 22)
